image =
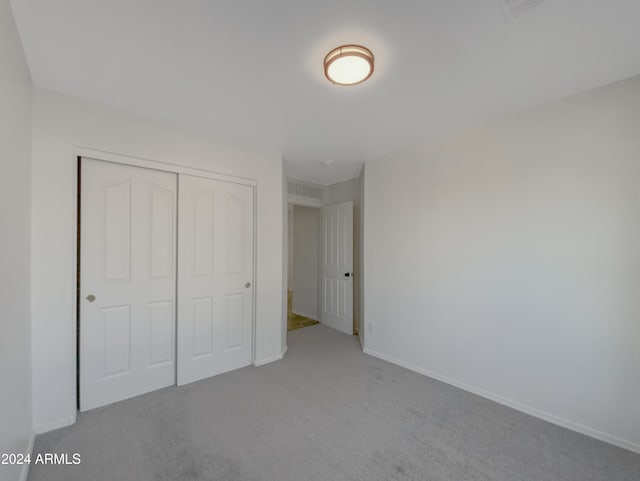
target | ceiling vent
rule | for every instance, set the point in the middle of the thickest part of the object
(305, 190)
(304, 193)
(516, 8)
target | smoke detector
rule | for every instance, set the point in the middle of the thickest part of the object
(516, 8)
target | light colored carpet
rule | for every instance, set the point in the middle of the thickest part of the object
(326, 412)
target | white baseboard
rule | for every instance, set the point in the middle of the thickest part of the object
(552, 418)
(24, 473)
(268, 360)
(45, 428)
(361, 339)
(284, 351)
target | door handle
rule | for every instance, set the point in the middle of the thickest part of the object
(247, 285)
(91, 298)
(348, 274)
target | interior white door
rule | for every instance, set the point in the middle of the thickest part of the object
(215, 277)
(337, 266)
(127, 281)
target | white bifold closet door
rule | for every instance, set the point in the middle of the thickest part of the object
(128, 281)
(215, 277)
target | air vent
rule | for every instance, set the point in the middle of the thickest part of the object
(306, 190)
(516, 8)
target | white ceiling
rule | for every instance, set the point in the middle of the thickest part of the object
(251, 70)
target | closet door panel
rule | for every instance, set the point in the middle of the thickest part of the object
(127, 281)
(215, 277)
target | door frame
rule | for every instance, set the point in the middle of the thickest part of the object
(290, 243)
(79, 153)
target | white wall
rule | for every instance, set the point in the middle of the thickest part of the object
(350, 190)
(362, 276)
(306, 249)
(59, 125)
(15, 152)
(290, 246)
(285, 262)
(507, 261)
(344, 192)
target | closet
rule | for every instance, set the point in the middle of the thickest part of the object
(166, 279)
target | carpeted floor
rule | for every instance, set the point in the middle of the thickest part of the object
(326, 412)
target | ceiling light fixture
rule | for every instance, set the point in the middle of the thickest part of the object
(348, 65)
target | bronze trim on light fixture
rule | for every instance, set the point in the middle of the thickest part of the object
(349, 51)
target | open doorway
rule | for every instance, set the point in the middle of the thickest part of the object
(321, 267)
(323, 260)
(303, 292)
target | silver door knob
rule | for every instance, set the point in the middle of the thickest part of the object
(91, 298)
(247, 285)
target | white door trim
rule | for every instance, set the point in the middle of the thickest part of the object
(160, 165)
(79, 152)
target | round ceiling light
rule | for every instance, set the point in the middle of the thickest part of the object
(348, 65)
